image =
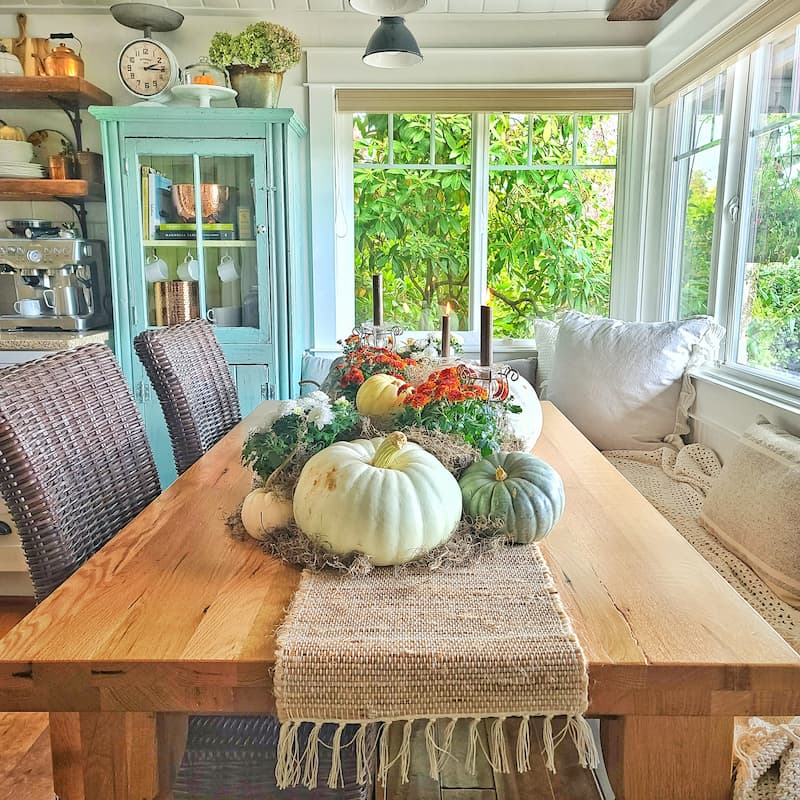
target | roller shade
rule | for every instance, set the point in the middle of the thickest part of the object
(743, 38)
(467, 101)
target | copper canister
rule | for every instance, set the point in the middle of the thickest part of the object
(175, 301)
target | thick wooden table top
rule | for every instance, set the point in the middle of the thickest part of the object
(175, 615)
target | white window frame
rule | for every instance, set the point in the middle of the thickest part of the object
(479, 190)
(730, 231)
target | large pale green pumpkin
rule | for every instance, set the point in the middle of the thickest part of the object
(387, 498)
(522, 490)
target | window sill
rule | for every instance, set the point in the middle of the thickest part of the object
(780, 395)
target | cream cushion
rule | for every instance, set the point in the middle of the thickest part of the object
(624, 384)
(754, 507)
(546, 333)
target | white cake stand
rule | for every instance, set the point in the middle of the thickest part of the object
(203, 93)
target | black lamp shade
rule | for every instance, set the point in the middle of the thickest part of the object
(387, 8)
(392, 45)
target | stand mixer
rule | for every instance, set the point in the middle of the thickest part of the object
(56, 284)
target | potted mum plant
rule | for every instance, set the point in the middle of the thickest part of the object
(256, 59)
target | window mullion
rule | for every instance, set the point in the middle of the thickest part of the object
(479, 216)
(740, 158)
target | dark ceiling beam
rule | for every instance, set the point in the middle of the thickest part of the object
(636, 10)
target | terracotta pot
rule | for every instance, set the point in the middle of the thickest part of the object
(257, 86)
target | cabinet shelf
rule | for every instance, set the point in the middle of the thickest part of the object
(240, 243)
(46, 189)
(18, 91)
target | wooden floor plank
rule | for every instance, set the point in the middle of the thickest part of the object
(570, 779)
(454, 771)
(420, 785)
(32, 778)
(531, 785)
(468, 794)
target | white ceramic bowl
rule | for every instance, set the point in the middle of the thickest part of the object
(18, 152)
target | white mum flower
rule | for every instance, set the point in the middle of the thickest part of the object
(320, 396)
(430, 352)
(287, 407)
(299, 410)
(320, 416)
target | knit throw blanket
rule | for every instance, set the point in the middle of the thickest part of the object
(769, 760)
(488, 641)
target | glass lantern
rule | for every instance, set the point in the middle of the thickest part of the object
(204, 73)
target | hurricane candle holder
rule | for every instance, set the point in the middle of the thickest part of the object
(495, 378)
(385, 335)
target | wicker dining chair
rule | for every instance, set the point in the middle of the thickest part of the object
(187, 368)
(75, 463)
(75, 468)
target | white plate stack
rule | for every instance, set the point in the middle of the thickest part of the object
(15, 160)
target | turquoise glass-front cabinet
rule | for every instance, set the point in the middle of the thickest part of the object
(244, 267)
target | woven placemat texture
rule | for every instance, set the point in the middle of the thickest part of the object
(487, 641)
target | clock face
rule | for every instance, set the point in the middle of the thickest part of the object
(145, 68)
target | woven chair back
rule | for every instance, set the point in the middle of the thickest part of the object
(188, 370)
(75, 464)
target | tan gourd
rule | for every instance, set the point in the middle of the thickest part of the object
(380, 394)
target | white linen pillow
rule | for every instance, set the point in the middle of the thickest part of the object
(624, 384)
(546, 332)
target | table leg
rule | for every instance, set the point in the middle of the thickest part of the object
(116, 756)
(680, 758)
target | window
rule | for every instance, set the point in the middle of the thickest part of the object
(735, 209)
(448, 204)
(696, 172)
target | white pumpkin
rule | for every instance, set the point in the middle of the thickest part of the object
(263, 511)
(527, 425)
(387, 498)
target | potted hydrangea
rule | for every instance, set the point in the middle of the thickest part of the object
(256, 59)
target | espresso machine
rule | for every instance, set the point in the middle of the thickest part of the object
(56, 284)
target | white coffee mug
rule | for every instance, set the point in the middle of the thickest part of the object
(28, 307)
(225, 316)
(227, 270)
(189, 268)
(156, 269)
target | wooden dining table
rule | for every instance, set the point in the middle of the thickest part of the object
(174, 616)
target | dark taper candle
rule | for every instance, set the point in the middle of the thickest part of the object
(377, 299)
(446, 332)
(486, 336)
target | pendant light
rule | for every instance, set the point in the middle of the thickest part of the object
(387, 8)
(392, 45)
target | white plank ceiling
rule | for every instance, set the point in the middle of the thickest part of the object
(590, 8)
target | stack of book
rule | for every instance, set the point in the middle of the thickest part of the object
(212, 231)
(156, 201)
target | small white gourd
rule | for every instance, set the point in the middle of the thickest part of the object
(263, 511)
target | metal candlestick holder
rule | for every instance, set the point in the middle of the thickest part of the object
(384, 336)
(495, 378)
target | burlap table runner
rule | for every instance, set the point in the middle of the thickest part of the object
(489, 641)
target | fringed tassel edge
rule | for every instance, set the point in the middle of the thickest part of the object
(293, 767)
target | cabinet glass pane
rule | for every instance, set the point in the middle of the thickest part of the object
(166, 195)
(209, 269)
(229, 242)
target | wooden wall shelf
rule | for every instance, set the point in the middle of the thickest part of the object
(17, 91)
(42, 189)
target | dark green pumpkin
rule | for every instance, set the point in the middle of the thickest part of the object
(522, 490)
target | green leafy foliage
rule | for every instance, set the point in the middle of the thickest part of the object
(478, 422)
(265, 450)
(274, 46)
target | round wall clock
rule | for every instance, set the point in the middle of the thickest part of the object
(148, 69)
